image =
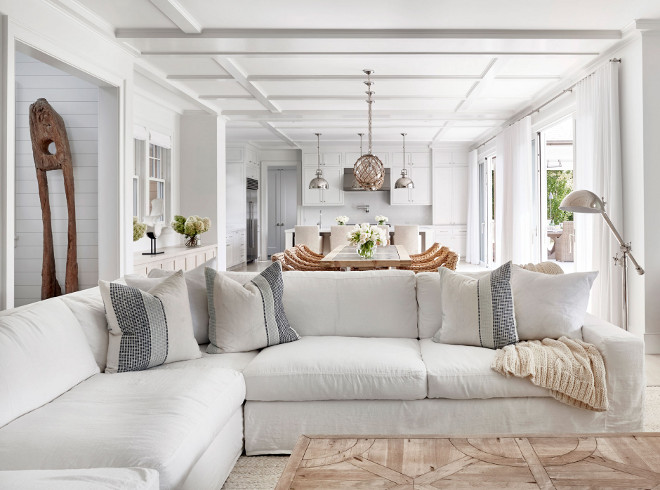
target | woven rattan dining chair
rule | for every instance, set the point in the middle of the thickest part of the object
(308, 251)
(442, 258)
(300, 263)
(544, 267)
(279, 257)
(427, 254)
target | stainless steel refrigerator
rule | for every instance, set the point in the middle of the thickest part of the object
(252, 194)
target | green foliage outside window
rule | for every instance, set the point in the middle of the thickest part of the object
(560, 184)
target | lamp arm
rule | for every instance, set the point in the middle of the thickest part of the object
(625, 247)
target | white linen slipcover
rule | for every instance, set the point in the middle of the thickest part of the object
(338, 368)
(87, 479)
(163, 419)
(232, 360)
(352, 304)
(274, 427)
(43, 353)
(463, 372)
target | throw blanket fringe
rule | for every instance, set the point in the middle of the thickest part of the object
(571, 369)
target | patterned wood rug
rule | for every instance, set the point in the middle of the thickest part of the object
(607, 461)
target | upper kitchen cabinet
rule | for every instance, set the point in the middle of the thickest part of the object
(332, 196)
(418, 165)
(328, 159)
(450, 184)
(351, 158)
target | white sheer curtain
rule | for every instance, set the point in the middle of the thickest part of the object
(598, 169)
(514, 181)
(472, 254)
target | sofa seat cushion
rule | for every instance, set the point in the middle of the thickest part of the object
(338, 368)
(463, 372)
(162, 419)
(94, 478)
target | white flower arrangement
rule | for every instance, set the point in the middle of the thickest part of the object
(341, 220)
(191, 226)
(381, 220)
(366, 237)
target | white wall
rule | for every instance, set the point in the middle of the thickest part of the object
(76, 101)
(203, 175)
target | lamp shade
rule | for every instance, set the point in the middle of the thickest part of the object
(318, 182)
(582, 202)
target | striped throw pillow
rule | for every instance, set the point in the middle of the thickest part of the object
(148, 328)
(245, 317)
(479, 311)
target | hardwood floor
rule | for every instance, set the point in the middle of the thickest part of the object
(601, 461)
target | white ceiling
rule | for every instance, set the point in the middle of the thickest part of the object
(445, 71)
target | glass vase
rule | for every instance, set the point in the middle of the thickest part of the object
(193, 241)
(366, 250)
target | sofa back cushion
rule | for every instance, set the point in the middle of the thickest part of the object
(352, 304)
(349, 304)
(87, 307)
(429, 296)
(43, 353)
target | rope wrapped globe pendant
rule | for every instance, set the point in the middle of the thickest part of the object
(368, 169)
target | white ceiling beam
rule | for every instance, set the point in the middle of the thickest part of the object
(279, 134)
(200, 77)
(290, 54)
(489, 74)
(351, 116)
(226, 97)
(335, 97)
(174, 11)
(230, 67)
(366, 33)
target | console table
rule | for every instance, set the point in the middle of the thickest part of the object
(174, 258)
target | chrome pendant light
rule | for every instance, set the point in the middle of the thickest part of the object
(318, 182)
(368, 169)
(404, 182)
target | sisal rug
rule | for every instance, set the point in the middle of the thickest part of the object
(262, 472)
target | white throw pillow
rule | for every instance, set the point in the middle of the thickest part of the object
(43, 353)
(550, 305)
(199, 304)
(148, 328)
(477, 312)
(247, 317)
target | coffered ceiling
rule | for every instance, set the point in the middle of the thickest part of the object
(445, 71)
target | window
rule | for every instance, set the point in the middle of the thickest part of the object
(151, 174)
(157, 176)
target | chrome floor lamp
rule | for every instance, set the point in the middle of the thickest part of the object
(588, 202)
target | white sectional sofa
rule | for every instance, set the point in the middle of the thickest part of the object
(365, 364)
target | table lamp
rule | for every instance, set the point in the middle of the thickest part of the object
(587, 202)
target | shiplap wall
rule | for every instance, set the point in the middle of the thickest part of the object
(76, 101)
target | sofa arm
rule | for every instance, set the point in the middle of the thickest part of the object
(623, 354)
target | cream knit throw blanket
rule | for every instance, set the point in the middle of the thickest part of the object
(572, 370)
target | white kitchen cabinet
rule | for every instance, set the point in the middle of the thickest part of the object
(333, 196)
(420, 194)
(328, 159)
(235, 244)
(450, 194)
(413, 159)
(454, 237)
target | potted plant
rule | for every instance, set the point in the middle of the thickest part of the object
(366, 239)
(341, 220)
(191, 227)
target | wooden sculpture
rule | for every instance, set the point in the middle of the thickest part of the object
(47, 128)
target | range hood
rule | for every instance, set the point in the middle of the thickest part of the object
(350, 185)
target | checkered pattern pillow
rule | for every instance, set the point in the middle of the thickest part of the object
(479, 311)
(148, 328)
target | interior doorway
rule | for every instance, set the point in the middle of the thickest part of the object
(282, 201)
(555, 181)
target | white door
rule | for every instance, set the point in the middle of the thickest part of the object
(282, 202)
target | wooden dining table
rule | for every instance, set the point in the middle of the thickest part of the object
(346, 257)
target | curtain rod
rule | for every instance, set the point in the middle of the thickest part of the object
(538, 109)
